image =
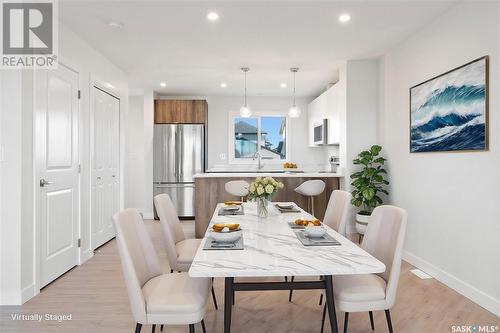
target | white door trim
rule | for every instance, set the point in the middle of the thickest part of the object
(37, 174)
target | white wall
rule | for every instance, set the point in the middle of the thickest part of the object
(219, 109)
(453, 199)
(149, 107)
(135, 164)
(360, 79)
(10, 191)
(17, 171)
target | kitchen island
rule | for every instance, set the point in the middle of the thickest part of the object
(209, 191)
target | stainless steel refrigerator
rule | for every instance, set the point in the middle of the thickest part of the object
(179, 153)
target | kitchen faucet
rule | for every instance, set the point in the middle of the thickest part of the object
(257, 154)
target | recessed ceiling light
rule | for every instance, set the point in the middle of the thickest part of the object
(283, 85)
(114, 24)
(344, 18)
(212, 16)
(163, 84)
(223, 85)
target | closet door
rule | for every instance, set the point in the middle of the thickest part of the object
(105, 165)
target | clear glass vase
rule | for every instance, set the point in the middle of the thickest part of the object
(262, 203)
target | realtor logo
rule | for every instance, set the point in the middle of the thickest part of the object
(29, 34)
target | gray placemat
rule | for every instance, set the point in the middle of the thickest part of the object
(326, 240)
(285, 210)
(223, 212)
(210, 244)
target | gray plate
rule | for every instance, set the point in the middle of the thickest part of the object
(325, 240)
(223, 212)
(288, 210)
(210, 244)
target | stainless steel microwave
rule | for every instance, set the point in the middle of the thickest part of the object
(320, 132)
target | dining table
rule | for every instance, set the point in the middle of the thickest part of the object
(271, 248)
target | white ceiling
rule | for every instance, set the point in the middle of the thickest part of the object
(172, 41)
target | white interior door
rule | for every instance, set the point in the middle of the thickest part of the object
(105, 166)
(56, 111)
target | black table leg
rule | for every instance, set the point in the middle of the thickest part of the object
(330, 303)
(228, 301)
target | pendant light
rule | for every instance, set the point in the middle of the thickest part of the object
(294, 111)
(245, 111)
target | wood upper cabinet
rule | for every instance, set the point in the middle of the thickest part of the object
(181, 111)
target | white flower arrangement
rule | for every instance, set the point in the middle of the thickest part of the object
(264, 187)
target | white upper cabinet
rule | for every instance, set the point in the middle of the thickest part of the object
(313, 116)
(333, 115)
(326, 106)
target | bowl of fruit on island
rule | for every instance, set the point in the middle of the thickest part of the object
(289, 166)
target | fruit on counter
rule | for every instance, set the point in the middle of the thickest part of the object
(289, 165)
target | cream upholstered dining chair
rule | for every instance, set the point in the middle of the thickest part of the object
(180, 250)
(156, 298)
(238, 188)
(336, 217)
(338, 211)
(383, 239)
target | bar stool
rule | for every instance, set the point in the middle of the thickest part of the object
(238, 188)
(310, 189)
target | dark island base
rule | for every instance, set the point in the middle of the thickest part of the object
(209, 191)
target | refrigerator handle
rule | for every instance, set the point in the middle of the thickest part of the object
(177, 151)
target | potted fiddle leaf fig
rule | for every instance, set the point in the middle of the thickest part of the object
(367, 184)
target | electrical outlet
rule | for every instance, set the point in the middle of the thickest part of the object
(222, 156)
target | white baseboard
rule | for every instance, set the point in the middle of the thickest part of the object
(86, 255)
(148, 215)
(10, 297)
(28, 293)
(477, 296)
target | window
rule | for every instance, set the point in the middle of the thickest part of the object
(265, 135)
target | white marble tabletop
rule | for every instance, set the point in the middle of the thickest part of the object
(272, 249)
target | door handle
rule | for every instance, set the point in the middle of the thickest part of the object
(43, 182)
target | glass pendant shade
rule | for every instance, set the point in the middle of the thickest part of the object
(245, 111)
(294, 112)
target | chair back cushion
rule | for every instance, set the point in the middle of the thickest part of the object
(169, 225)
(164, 206)
(384, 237)
(338, 211)
(138, 257)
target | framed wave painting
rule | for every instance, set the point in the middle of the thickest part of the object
(450, 112)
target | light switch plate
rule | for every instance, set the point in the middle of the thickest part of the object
(222, 156)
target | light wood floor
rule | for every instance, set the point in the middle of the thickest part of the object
(95, 295)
